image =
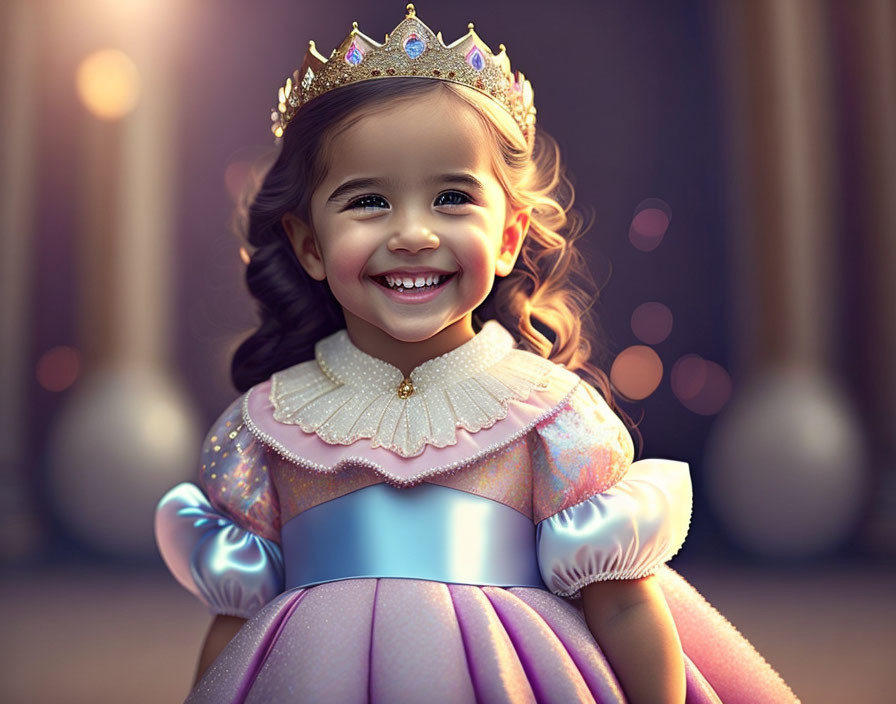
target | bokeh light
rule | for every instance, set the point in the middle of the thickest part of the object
(703, 387)
(637, 372)
(245, 171)
(58, 368)
(245, 256)
(688, 376)
(108, 84)
(786, 468)
(652, 322)
(649, 224)
(236, 178)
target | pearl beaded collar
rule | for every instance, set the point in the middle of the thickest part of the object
(345, 395)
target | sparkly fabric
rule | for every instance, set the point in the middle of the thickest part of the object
(579, 452)
(626, 532)
(393, 641)
(234, 474)
(505, 477)
(347, 395)
(231, 570)
(300, 489)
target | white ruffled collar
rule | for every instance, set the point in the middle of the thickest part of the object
(345, 394)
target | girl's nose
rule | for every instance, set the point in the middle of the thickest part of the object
(413, 239)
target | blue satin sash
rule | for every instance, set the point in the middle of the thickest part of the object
(425, 532)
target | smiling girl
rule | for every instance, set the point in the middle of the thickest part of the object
(421, 494)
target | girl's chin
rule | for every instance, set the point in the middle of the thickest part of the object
(413, 333)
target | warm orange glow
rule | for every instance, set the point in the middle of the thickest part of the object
(108, 84)
(244, 255)
(58, 368)
(637, 372)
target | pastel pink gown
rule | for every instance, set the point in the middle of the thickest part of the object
(430, 547)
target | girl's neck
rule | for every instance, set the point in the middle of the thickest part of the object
(406, 356)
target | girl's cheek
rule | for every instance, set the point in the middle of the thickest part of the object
(346, 265)
(347, 255)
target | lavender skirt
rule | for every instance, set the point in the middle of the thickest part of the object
(399, 640)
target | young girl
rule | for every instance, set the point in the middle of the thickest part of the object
(418, 498)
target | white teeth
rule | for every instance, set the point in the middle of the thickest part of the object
(407, 282)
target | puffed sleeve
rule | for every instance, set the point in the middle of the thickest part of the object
(600, 516)
(221, 542)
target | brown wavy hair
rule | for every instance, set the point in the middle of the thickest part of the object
(547, 299)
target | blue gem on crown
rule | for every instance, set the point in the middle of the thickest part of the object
(414, 46)
(354, 55)
(475, 58)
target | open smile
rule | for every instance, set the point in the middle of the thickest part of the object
(416, 288)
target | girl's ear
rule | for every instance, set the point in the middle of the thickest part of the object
(512, 241)
(301, 236)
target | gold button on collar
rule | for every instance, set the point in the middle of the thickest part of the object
(405, 388)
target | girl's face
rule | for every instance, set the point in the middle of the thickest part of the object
(410, 224)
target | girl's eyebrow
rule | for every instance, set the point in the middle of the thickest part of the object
(365, 183)
(460, 179)
(357, 184)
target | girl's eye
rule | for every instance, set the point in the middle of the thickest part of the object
(452, 198)
(369, 202)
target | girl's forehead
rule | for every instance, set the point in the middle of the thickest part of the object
(432, 132)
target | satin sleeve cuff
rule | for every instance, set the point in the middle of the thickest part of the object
(232, 570)
(626, 532)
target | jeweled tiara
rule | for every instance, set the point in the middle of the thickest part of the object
(411, 50)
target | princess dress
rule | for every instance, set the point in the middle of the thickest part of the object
(429, 545)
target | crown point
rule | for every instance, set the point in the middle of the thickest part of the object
(470, 26)
(501, 47)
(411, 11)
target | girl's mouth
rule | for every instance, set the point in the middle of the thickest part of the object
(413, 288)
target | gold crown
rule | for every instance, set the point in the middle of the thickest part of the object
(410, 50)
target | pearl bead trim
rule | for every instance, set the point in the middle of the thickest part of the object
(346, 395)
(358, 461)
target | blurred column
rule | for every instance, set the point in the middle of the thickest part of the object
(126, 432)
(18, 522)
(871, 63)
(786, 472)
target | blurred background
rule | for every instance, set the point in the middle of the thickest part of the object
(739, 158)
